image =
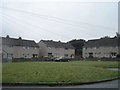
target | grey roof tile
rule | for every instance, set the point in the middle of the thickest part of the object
(55, 44)
(18, 42)
(102, 42)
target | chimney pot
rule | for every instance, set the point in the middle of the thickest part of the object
(7, 36)
(20, 38)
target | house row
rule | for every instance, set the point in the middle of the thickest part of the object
(20, 48)
(102, 48)
(51, 48)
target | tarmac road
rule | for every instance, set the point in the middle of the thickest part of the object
(109, 84)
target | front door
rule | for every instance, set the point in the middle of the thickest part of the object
(34, 55)
(90, 55)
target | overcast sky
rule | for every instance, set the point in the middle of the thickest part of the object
(58, 20)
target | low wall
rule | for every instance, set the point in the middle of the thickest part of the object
(102, 59)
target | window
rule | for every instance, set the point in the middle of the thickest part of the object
(23, 47)
(90, 55)
(50, 55)
(27, 47)
(66, 55)
(49, 47)
(11, 54)
(99, 53)
(94, 47)
(84, 48)
(66, 48)
(35, 55)
(10, 46)
(24, 55)
(72, 56)
(113, 53)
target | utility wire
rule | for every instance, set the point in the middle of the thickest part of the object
(60, 20)
(51, 18)
(12, 21)
(66, 37)
(39, 27)
(53, 33)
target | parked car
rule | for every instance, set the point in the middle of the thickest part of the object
(62, 59)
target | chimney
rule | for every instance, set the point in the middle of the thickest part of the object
(7, 36)
(20, 38)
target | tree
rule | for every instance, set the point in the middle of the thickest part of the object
(78, 44)
(105, 37)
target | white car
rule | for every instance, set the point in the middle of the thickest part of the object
(59, 58)
(62, 59)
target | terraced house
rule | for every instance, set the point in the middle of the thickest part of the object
(49, 48)
(101, 48)
(18, 48)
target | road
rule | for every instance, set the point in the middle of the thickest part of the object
(109, 84)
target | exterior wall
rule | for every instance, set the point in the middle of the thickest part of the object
(42, 49)
(10, 52)
(0, 52)
(25, 52)
(7, 52)
(61, 52)
(100, 52)
(56, 52)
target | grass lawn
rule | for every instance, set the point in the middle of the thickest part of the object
(58, 72)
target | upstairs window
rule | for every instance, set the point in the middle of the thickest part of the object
(84, 48)
(94, 47)
(66, 48)
(10, 46)
(49, 47)
(66, 55)
(26, 47)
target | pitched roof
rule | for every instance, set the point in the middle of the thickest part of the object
(102, 42)
(59, 44)
(18, 42)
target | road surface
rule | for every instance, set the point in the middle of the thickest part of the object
(109, 84)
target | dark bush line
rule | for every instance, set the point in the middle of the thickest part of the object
(102, 59)
(29, 59)
(62, 60)
(37, 59)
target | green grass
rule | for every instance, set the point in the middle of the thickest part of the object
(58, 72)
